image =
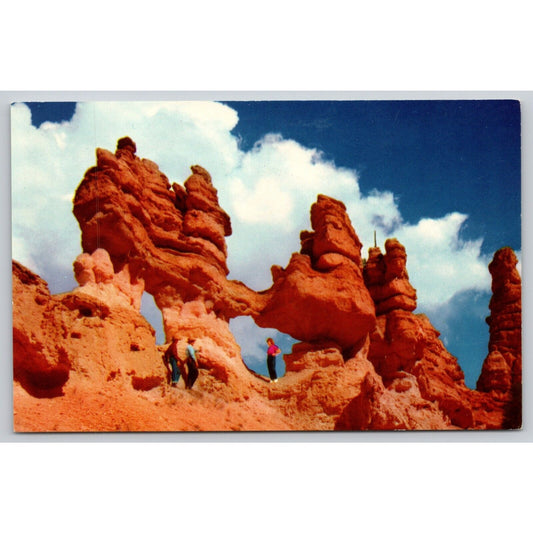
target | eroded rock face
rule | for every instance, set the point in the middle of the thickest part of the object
(171, 241)
(495, 374)
(404, 342)
(170, 238)
(501, 374)
(387, 279)
(87, 359)
(505, 322)
(77, 339)
(320, 295)
(95, 275)
(400, 406)
(39, 364)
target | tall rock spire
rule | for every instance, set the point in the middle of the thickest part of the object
(501, 374)
(387, 279)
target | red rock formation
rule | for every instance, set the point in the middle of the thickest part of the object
(88, 361)
(505, 323)
(406, 342)
(387, 279)
(501, 374)
(40, 365)
(495, 374)
(399, 406)
(76, 338)
(96, 276)
(321, 295)
(127, 206)
(170, 239)
(320, 387)
(399, 337)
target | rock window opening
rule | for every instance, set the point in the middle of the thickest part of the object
(151, 312)
(252, 341)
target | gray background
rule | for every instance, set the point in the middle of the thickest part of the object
(6, 409)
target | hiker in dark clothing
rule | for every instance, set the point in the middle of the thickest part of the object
(171, 359)
(192, 364)
(272, 351)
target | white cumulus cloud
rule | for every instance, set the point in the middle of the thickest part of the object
(49, 162)
(267, 191)
(439, 262)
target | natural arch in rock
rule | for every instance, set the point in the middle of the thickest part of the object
(169, 240)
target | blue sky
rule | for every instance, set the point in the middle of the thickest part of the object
(435, 156)
(441, 176)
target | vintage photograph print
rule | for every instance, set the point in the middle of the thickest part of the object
(275, 265)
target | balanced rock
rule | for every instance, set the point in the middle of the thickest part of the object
(321, 296)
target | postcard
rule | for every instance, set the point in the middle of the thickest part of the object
(266, 265)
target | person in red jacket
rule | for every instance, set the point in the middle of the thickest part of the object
(171, 359)
(272, 351)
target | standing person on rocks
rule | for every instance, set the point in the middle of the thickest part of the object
(171, 359)
(272, 351)
(192, 364)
